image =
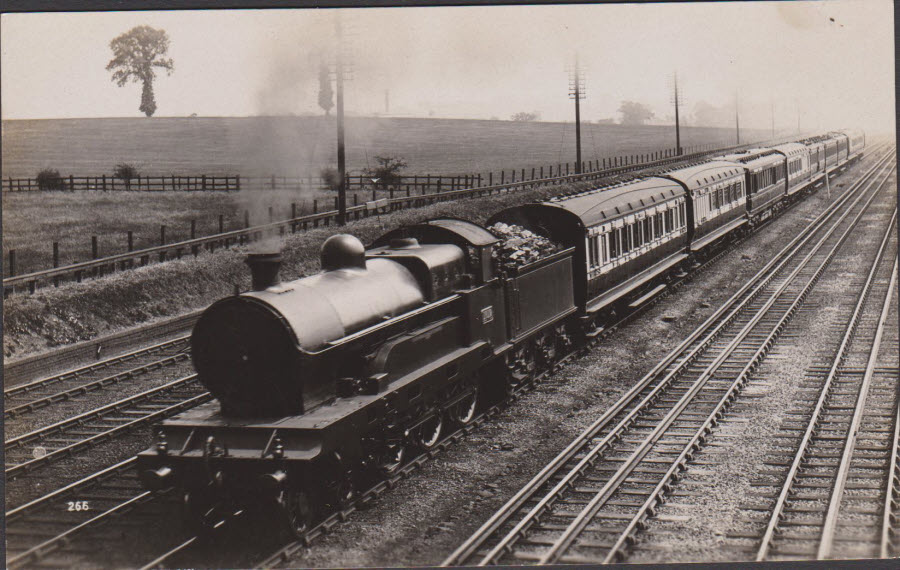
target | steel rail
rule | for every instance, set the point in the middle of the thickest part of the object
(94, 367)
(53, 543)
(68, 490)
(826, 542)
(583, 519)
(777, 511)
(91, 386)
(888, 519)
(32, 278)
(474, 542)
(741, 379)
(58, 427)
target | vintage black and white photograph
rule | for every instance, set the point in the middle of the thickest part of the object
(422, 286)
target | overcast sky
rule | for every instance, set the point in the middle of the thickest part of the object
(832, 60)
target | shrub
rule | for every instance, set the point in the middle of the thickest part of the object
(331, 178)
(126, 173)
(387, 172)
(49, 179)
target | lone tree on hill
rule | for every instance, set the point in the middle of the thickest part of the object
(634, 113)
(325, 91)
(135, 55)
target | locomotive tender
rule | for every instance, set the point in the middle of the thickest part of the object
(326, 382)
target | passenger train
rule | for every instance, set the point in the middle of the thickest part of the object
(326, 383)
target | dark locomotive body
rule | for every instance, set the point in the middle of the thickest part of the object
(326, 382)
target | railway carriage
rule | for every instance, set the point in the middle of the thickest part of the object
(797, 160)
(857, 142)
(764, 179)
(717, 201)
(626, 238)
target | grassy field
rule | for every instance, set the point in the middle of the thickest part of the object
(33, 221)
(253, 147)
(299, 146)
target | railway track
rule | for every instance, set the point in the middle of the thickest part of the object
(26, 398)
(836, 490)
(35, 449)
(117, 505)
(587, 504)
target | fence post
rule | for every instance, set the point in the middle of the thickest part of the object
(479, 180)
(237, 180)
(12, 263)
(104, 183)
(271, 215)
(513, 174)
(293, 210)
(221, 223)
(130, 241)
(71, 183)
(532, 173)
(193, 229)
(502, 177)
(490, 178)
(315, 206)
(203, 182)
(336, 205)
(94, 247)
(542, 172)
(55, 262)
(246, 219)
(162, 234)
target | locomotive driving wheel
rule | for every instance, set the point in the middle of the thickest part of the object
(394, 455)
(463, 412)
(429, 432)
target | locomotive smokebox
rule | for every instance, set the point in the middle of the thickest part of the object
(264, 269)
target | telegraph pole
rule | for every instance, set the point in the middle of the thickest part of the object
(576, 91)
(677, 123)
(773, 118)
(341, 157)
(737, 121)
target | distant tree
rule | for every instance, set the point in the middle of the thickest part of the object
(135, 55)
(387, 171)
(126, 173)
(634, 113)
(325, 91)
(49, 179)
(525, 116)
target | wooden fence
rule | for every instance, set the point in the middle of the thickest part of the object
(417, 183)
(398, 199)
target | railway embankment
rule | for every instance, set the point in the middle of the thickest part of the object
(77, 312)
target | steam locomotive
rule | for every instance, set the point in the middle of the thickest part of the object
(328, 382)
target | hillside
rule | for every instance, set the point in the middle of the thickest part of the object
(292, 146)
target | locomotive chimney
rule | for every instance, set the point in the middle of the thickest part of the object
(264, 269)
